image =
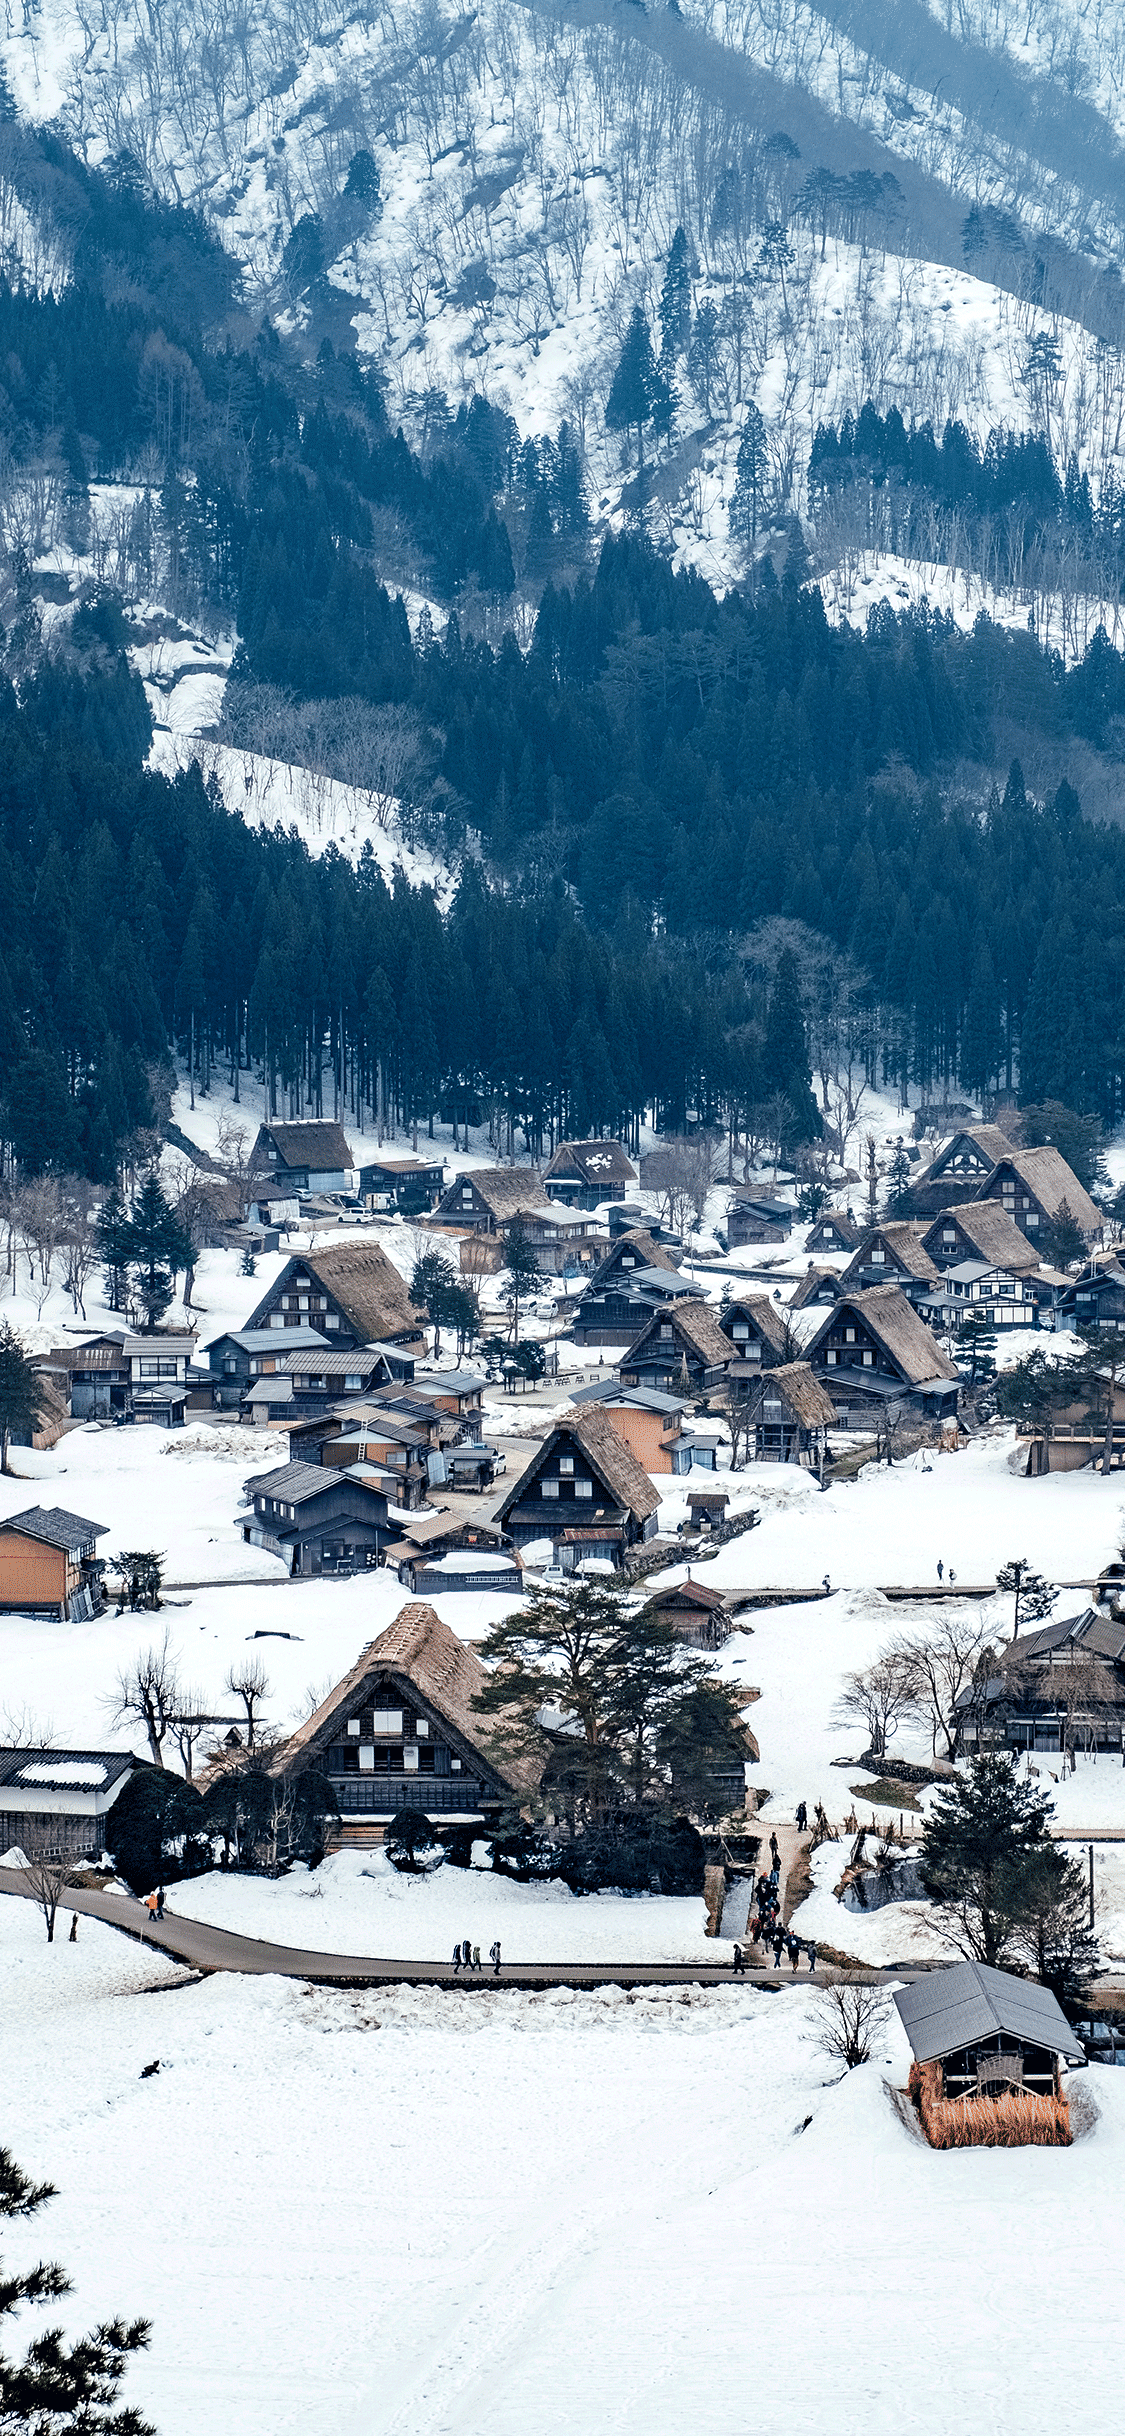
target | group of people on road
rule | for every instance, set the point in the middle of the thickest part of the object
(765, 1925)
(466, 1956)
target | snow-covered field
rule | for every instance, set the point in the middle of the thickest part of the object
(538, 2215)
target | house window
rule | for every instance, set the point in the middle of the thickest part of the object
(740, 1331)
(833, 1356)
(583, 1488)
(455, 1767)
(566, 1464)
(949, 1234)
(422, 1728)
(230, 1367)
(367, 1757)
(849, 1336)
(549, 1488)
(353, 1725)
(386, 1721)
(410, 1758)
(868, 1361)
(277, 1319)
(627, 1261)
(878, 1255)
(1032, 1217)
(665, 1332)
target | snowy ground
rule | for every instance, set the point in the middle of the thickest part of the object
(540, 2215)
(357, 1904)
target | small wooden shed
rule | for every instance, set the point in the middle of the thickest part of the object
(989, 2053)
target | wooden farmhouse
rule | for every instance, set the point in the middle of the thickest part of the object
(791, 1413)
(487, 1200)
(960, 1167)
(350, 1293)
(872, 1350)
(241, 1355)
(397, 1181)
(750, 1219)
(399, 1731)
(834, 1231)
(890, 1255)
(990, 2053)
(1032, 1186)
(54, 1804)
(584, 1492)
(583, 1174)
(696, 1613)
(1058, 1687)
(636, 1278)
(483, 1553)
(979, 1230)
(310, 1156)
(973, 1290)
(757, 1331)
(49, 1564)
(817, 1286)
(320, 1518)
(683, 1346)
(1094, 1299)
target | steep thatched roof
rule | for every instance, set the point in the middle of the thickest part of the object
(647, 1252)
(695, 1323)
(613, 1463)
(903, 1242)
(849, 1229)
(766, 1316)
(990, 1140)
(506, 1191)
(810, 1287)
(312, 1143)
(803, 1393)
(895, 1325)
(596, 1163)
(992, 1234)
(444, 1671)
(1050, 1181)
(369, 1290)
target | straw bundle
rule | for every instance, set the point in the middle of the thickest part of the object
(1021, 2119)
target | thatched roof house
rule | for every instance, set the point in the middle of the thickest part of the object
(399, 1730)
(980, 1230)
(584, 1491)
(872, 1349)
(312, 1155)
(350, 1292)
(892, 1254)
(682, 1342)
(1033, 1185)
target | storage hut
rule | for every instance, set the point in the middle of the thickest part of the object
(989, 2054)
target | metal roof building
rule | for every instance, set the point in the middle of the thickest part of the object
(946, 2013)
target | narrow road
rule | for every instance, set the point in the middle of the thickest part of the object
(203, 1948)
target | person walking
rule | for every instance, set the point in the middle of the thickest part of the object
(494, 1958)
(160, 1903)
(802, 1817)
(793, 1948)
(952, 1577)
(476, 1958)
(778, 1942)
(775, 1848)
(457, 1955)
(466, 1954)
(739, 1961)
(150, 1905)
(810, 1950)
(940, 1569)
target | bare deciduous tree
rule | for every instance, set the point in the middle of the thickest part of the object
(48, 1879)
(940, 1661)
(148, 1694)
(876, 1696)
(851, 2014)
(249, 1682)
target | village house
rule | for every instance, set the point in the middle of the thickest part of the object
(382, 1443)
(834, 1231)
(990, 2052)
(890, 1255)
(872, 1350)
(696, 1613)
(973, 1290)
(1095, 1298)
(1033, 1185)
(752, 1219)
(481, 1548)
(983, 1231)
(350, 1293)
(399, 1731)
(129, 1377)
(791, 1413)
(431, 1430)
(636, 1278)
(49, 1564)
(683, 1346)
(320, 1518)
(656, 1427)
(311, 1155)
(488, 1200)
(583, 1174)
(583, 1492)
(457, 1393)
(1059, 1687)
(817, 1286)
(54, 1804)
(394, 1180)
(960, 1166)
(758, 1332)
(242, 1355)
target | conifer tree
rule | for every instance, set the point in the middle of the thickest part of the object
(639, 393)
(675, 300)
(749, 477)
(158, 1244)
(115, 1246)
(21, 1394)
(58, 2386)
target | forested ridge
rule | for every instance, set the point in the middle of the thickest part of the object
(629, 799)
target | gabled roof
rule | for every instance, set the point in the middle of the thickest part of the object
(646, 1252)
(689, 1594)
(695, 1322)
(595, 1162)
(895, 1325)
(1046, 1176)
(270, 1340)
(630, 1399)
(944, 2011)
(312, 1143)
(811, 1286)
(442, 1669)
(848, 1228)
(65, 1771)
(296, 1484)
(54, 1527)
(332, 1363)
(365, 1284)
(607, 1455)
(766, 1316)
(803, 1393)
(990, 1140)
(507, 1191)
(993, 1234)
(904, 1243)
